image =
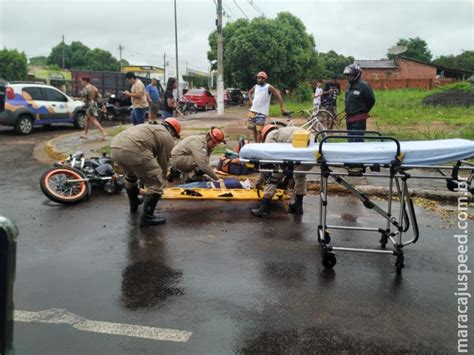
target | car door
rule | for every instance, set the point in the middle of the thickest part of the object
(211, 101)
(35, 102)
(59, 104)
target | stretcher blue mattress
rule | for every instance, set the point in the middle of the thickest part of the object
(415, 152)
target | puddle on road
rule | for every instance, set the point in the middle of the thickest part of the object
(148, 284)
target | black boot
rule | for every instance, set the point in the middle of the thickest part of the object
(133, 198)
(148, 218)
(174, 174)
(263, 210)
(297, 207)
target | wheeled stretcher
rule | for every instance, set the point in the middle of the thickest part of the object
(380, 157)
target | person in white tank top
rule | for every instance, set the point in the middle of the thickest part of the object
(259, 99)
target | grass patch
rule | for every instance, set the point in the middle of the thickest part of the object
(105, 150)
(219, 149)
(116, 130)
(400, 113)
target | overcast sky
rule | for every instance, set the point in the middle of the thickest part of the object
(361, 28)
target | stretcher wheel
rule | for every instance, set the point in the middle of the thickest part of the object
(329, 259)
(399, 265)
(383, 240)
(326, 239)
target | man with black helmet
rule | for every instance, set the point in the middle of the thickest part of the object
(359, 101)
(143, 152)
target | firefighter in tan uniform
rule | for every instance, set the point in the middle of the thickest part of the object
(273, 134)
(190, 157)
(142, 152)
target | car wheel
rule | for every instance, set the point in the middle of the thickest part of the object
(24, 125)
(80, 120)
(206, 107)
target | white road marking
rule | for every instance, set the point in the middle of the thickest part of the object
(62, 316)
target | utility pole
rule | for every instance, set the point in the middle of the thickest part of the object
(220, 61)
(176, 46)
(121, 48)
(64, 66)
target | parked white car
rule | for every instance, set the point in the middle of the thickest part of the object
(32, 104)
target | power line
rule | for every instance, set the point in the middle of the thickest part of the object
(227, 10)
(242, 11)
(227, 13)
(256, 8)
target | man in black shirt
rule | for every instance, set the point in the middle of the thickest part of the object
(330, 93)
(359, 101)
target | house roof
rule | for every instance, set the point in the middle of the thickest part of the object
(376, 64)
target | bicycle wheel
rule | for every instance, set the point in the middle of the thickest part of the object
(325, 118)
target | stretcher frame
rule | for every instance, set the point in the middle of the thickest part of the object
(396, 172)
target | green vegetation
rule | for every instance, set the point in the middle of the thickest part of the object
(13, 65)
(116, 130)
(461, 86)
(400, 113)
(105, 150)
(79, 56)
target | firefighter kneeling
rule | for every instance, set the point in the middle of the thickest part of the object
(190, 158)
(142, 152)
(273, 134)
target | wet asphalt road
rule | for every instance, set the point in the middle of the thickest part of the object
(239, 284)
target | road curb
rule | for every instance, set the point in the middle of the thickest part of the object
(52, 151)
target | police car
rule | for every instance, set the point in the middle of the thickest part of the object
(24, 105)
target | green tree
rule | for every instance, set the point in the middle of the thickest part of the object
(281, 47)
(78, 56)
(13, 65)
(99, 59)
(56, 56)
(333, 63)
(417, 48)
(40, 61)
(464, 60)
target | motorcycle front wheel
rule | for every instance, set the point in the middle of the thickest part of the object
(56, 185)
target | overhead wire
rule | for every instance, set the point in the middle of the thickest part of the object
(242, 11)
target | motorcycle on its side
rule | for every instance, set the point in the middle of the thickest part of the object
(71, 181)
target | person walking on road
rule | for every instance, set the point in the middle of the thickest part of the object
(359, 101)
(169, 103)
(143, 152)
(190, 157)
(90, 96)
(273, 134)
(259, 99)
(138, 97)
(153, 97)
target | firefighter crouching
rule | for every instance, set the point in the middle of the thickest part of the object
(142, 152)
(190, 157)
(273, 134)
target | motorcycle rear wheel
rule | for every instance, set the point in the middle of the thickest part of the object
(54, 185)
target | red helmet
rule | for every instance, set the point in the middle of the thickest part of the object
(267, 129)
(174, 123)
(217, 135)
(263, 75)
